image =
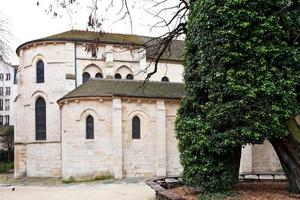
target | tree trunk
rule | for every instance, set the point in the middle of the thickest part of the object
(288, 152)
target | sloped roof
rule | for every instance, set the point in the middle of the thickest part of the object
(89, 36)
(112, 38)
(127, 88)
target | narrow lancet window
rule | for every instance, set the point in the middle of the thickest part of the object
(40, 71)
(85, 77)
(40, 119)
(89, 127)
(136, 128)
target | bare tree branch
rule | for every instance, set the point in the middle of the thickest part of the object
(164, 45)
(170, 15)
(5, 39)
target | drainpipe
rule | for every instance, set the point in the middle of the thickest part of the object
(61, 146)
(75, 62)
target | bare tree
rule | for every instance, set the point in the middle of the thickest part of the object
(169, 15)
(5, 38)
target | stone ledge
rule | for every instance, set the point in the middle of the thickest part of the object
(37, 142)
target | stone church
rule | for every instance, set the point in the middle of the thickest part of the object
(79, 116)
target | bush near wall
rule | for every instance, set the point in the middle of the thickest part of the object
(6, 156)
(4, 167)
(6, 144)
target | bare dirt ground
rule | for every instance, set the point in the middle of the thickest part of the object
(263, 190)
(54, 189)
(248, 191)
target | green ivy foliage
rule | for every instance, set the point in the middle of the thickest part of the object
(242, 75)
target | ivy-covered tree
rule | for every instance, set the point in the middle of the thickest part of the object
(242, 76)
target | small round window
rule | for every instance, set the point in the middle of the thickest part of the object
(129, 77)
(99, 75)
(118, 76)
(165, 79)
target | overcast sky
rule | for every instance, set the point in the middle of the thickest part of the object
(27, 21)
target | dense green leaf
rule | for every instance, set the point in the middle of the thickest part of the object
(242, 75)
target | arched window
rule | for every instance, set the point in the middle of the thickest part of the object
(165, 79)
(129, 77)
(40, 119)
(99, 75)
(89, 127)
(40, 71)
(136, 128)
(85, 77)
(1, 104)
(118, 76)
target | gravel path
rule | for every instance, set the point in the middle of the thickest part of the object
(82, 191)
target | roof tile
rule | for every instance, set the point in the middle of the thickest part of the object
(175, 53)
(127, 88)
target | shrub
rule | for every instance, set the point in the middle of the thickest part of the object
(4, 167)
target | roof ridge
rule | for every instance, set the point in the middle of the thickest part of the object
(139, 81)
(105, 32)
(86, 36)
